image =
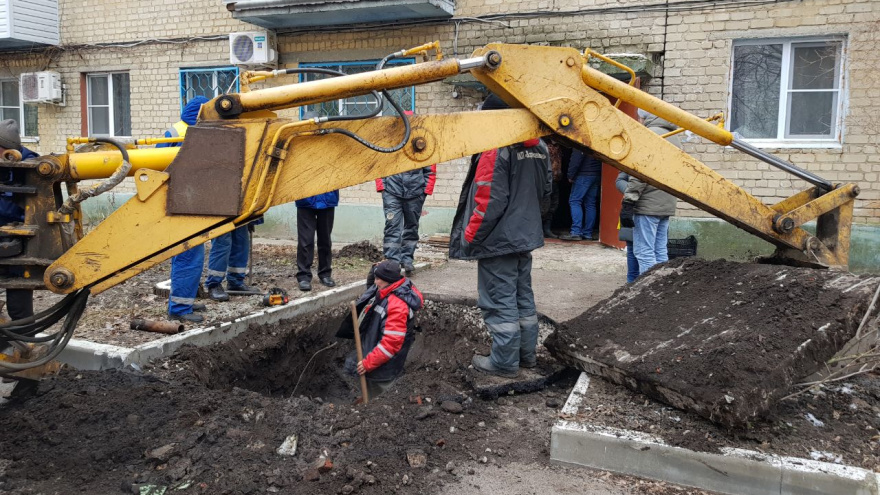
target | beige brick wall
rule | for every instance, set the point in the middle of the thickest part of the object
(697, 78)
(693, 75)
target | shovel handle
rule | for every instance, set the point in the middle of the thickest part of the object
(360, 351)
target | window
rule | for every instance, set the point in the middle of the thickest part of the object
(358, 105)
(109, 104)
(12, 108)
(787, 90)
(207, 82)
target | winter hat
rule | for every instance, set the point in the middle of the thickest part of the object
(388, 270)
(493, 102)
(9, 135)
(190, 113)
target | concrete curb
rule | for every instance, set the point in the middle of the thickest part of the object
(86, 355)
(734, 471)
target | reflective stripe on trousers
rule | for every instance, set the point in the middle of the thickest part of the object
(507, 302)
(229, 258)
(401, 226)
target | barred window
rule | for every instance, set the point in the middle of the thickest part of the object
(359, 105)
(787, 89)
(207, 82)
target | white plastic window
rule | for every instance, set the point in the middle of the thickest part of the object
(787, 91)
(12, 108)
(109, 104)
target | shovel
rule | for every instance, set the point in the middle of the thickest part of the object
(360, 351)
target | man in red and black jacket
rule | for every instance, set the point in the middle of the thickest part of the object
(387, 327)
(498, 223)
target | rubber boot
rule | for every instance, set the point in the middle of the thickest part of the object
(548, 234)
(528, 341)
(504, 358)
(484, 364)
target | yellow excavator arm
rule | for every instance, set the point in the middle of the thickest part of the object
(241, 159)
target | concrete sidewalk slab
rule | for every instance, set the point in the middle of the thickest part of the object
(734, 471)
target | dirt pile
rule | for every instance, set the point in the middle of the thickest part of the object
(364, 250)
(212, 420)
(724, 340)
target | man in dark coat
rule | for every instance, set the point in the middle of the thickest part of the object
(585, 176)
(19, 302)
(314, 216)
(403, 196)
(498, 223)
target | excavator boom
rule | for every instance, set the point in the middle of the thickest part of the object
(241, 159)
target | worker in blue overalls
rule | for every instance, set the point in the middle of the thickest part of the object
(186, 267)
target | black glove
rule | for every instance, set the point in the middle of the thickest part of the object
(626, 214)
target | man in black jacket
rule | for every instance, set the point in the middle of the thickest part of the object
(19, 302)
(498, 223)
(403, 196)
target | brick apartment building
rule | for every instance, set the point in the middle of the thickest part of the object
(793, 77)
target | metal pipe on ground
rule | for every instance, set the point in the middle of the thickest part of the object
(168, 327)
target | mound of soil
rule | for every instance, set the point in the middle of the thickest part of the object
(724, 340)
(211, 420)
(364, 250)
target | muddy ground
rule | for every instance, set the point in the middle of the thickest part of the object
(108, 314)
(210, 420)
(724, 340)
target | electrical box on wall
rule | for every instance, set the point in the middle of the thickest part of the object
(252, 48)
(41, 87)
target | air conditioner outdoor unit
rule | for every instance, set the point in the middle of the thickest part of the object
(252, 48)
(41, 87)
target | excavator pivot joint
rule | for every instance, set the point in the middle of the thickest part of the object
(493, 60)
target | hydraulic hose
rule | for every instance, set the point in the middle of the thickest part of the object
(115, 178)
(379, 105)
(73, 307)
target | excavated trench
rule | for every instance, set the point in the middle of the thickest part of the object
(213, 419)
(305, 358)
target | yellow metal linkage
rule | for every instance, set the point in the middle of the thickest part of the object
(718, 116)
(632, 75)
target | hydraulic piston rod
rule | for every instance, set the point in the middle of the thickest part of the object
(685, 120)
(335, 88)
(782, 164)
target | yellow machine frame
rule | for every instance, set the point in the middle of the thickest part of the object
(550, 91)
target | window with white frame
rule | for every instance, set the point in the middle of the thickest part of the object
(359, 105)
(11, 107)
(207, 82)
(109, 104)
(787, 90)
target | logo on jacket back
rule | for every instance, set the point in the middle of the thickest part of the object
(522, 155)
